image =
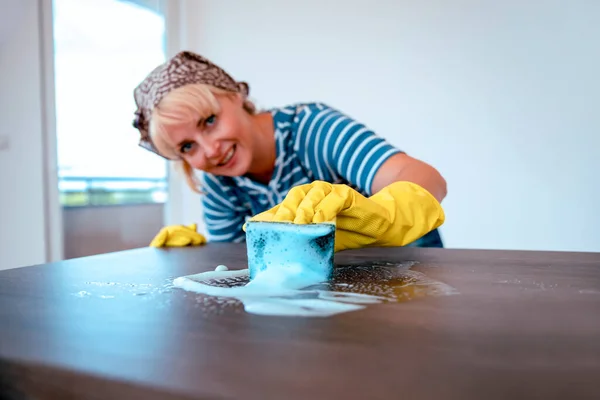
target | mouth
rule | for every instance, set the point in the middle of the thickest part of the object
(228, 157)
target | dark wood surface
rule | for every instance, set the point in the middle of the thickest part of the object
(525, 325)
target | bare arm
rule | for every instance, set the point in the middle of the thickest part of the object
(402, 167)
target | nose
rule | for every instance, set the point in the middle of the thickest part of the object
(208, 153)
(211, 149)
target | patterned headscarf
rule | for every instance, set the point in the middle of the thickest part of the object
(183, 69)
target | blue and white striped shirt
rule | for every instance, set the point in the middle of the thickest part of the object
(313, 142)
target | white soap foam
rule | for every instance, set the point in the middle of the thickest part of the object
(279, 292)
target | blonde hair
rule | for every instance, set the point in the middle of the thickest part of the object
(182, 105)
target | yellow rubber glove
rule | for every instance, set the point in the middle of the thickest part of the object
(178, 236)
(395, 216)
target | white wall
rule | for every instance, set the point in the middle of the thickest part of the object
(501, 96)
(29, 215)
(184, 205)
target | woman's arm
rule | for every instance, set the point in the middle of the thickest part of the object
(334, 145)
(402, 167)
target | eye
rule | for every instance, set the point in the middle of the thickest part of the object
(186, 147)
(210, 120)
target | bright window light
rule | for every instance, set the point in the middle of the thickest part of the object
(103, 49)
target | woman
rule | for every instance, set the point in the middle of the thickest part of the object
(301, 163)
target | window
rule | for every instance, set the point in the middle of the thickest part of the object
(103, 49)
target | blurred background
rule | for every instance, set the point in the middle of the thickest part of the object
(501, 96)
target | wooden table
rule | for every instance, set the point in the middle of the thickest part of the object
(525, 325)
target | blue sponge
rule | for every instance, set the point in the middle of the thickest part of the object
(309, 247)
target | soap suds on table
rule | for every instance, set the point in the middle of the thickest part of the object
(288, 292)
(114, 290)
(277, 291)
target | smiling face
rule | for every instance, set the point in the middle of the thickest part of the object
(219, 143)
(210, 132)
